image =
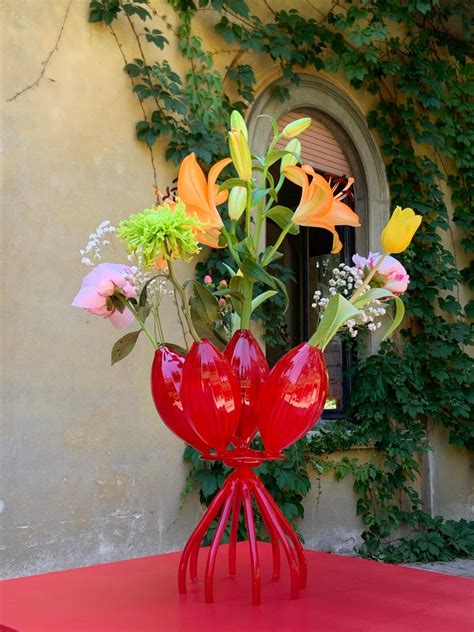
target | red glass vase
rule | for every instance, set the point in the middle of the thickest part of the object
(216, 402)
(251, 367)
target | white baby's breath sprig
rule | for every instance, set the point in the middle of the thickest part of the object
(99, 242)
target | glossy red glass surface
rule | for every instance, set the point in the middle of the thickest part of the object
(210, 394)
(250, 365)
(292, 398)
(166, 376)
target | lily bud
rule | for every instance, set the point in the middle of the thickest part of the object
(289, 160)
(237, 122)
(400, 229)
(240, 154)
(237, 202)
(295, 128)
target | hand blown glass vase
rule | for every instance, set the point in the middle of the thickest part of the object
(217, 402)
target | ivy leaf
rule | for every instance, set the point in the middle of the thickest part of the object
(156, 37)
(134, 9)
(124, 346)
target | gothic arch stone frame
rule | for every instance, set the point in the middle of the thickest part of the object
(337, 111)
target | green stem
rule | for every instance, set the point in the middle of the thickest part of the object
(232, 250)
(248, 210)
(141, 323)
(184, 302)
(368, 279)
(247, 291)
(278, 242)
(159, 325)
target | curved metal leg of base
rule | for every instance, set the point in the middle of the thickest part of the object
(273, 535)
(234, 527)
(199, 532)
(216, 540)
(254, 563)
(265, 508)
(290, 532)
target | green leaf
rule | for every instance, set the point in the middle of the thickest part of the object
(337, 311)
(176, 348)
(399, 314)
(372, 295)
(124, 346)
(282, 215)
(236, 286)
(274, 156)
(231, 183)
(208, 304)
(258, 300)
(257, 272)
(229, 270)
(143, 293)
(276, 255)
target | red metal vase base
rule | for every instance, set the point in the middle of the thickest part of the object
(242, 490)
(213, 400)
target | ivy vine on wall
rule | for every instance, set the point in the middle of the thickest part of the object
(415, 57)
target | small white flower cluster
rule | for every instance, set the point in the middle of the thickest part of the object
(157, 288)
(97, 244)
(346, 280)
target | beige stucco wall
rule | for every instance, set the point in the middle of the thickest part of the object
(89, 472)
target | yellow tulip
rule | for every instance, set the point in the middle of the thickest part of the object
(399, 231)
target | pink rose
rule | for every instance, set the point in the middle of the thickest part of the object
(208, 279)
(391, 275)
(100, 286)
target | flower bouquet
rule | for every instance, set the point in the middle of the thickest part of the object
(218, 392)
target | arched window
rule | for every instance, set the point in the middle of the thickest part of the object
(338, 144)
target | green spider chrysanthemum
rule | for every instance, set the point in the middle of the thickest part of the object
(163, 232)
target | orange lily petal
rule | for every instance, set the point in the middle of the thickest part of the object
(297, 175)
(341, 215)
(209, 237)
(211, 184)
(192, 185)
(315, 223)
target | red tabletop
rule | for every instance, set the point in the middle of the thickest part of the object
(344, 594)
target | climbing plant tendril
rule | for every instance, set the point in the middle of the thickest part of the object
(414, 57)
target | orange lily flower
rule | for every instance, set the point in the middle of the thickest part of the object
(202, 197)
(318, 206)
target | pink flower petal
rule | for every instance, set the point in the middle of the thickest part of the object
(119, 320)
(88, 298)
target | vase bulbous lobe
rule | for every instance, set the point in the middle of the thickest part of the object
(166, 379)
(211, 395)
(292, 398)
(251, 368)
